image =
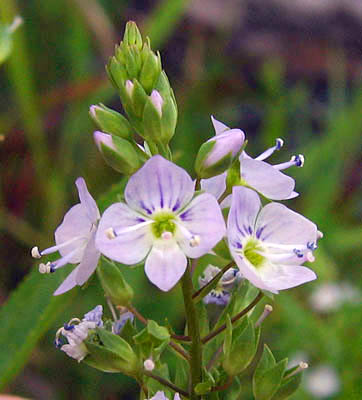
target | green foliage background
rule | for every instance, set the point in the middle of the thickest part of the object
(56, 71)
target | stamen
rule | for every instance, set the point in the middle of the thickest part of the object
(116, 232)
(63, 261)
(319, 234)
(166, 235)
(195, 241)
(302, 366)
(267, 153)
(35, 252)
(297, 160)
(267, 310)
(149, 365)
(53, 249)
(110, 233)
(310, 257)
(45, 268)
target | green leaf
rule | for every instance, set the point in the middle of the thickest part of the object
(288, 387)
(27, 315)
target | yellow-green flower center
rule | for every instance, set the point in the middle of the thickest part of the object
(163, 223)
(251, 253)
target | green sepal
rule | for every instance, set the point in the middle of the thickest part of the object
(150, 71)
(151, 119)
(123, 158)
(202, 154)
(288, 386)
(116, 73)
(242, 350)
(139, 100)
(132, 35)
(268, 375)
(168, 120)
(113, 283)
(112, 122)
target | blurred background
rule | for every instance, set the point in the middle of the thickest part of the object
(274, 68)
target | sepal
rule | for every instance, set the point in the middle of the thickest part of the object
(110, 121)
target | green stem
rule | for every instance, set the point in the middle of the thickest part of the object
(166, 383)
(194, 332)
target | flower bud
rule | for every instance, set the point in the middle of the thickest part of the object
(216, 155)
(132, 35)
(118, 153)
(113, 283)
(110, 121)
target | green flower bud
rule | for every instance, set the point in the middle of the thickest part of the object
(118, 153)
(132, 35)
(110, 121)
(240, 347)
(114, 355)
(113, 283)
(268, 376)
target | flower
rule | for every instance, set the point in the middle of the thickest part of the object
(121, 322)
(216, 155)
(220, 295)
(161, 396)
(260, 176)
(270, 244)
(76, 331)
(75, 241)
(160, 222)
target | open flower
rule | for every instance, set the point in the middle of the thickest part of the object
(220, 295)
(269, 245)
(161, 396)
(162, 222)
(76, 331)
(261, 176)
(75, 241)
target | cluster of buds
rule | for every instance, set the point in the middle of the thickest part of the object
(147, 97)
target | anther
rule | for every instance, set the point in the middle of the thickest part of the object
(319, 234)
(149, 365)
(68, 327)
(166, 235)
(298, 253)
(110, 233)
(195, 241)
(279, 143)
(35, 252)
(298, 160)
(45, 268)
(267, 310)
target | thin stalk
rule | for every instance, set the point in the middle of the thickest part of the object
(180, 350)
(194, 331)
(137, 314)
(214, 333)
(166, 383)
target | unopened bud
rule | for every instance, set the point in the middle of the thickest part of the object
(157, 101)
(149, 365)
(110, 121)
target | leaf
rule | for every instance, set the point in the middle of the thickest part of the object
(27, 315)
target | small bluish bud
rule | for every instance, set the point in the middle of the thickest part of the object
(217, 154)
(110, 121)
(113, 283)
(118, 153)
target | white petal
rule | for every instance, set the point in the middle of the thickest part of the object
(215, 185)
(87, 200)
(219, 126)
(280, 225)
(89, 262)
(75, 223)
(130, 247)
(280, 277)
(68, 283)
(165, 265)
(267, 180)
(245, 205)
(202, 217)
(159, 184)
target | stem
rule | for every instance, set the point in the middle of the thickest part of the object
(180, 350)
(113, 311)
(181, 338)
(194, 331)
(138, 315)
(202, 292)
(224, 386)
(198, 184)
(167, 383)
(214, 333)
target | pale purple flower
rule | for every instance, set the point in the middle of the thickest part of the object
(270, 244)
(161, 396)
(220, 295)
(76, 331)
(160, 222)
(75, 241)
(121, 322)
(259, 175)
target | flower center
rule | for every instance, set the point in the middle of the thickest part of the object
(163, 223)
(252, 251)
